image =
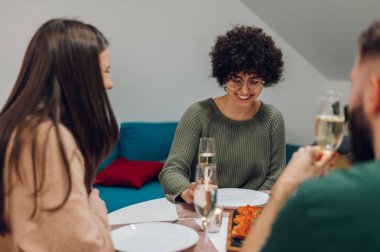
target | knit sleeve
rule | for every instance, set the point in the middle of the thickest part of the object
(175, 176)
(277, 153)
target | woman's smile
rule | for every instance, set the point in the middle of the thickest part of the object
(244, 97)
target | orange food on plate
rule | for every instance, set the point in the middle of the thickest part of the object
(244, 219)
(250, 210)
(241, 230)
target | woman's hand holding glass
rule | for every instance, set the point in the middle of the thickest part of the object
(206, 156)
(188, 194)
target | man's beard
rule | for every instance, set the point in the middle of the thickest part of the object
(360, 136)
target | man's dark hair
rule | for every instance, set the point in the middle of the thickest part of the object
(369, 41)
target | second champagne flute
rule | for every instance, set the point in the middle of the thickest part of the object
(207, 151)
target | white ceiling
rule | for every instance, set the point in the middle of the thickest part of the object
(324, 32)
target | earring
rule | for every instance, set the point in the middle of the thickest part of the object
(225, 88)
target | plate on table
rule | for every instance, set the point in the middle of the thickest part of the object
(232, 198)
(155, 236)
(142, 212)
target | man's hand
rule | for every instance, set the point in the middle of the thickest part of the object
(188, 194)
(306, 163)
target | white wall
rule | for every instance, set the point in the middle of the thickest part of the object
(159, 55)
(342, 86)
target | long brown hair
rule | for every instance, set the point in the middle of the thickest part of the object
(60, 80)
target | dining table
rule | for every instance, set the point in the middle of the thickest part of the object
(162, 210)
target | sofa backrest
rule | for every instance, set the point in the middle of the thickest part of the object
(143, 141)
(114, 154)
(146, 141)
(290, 149)
(151, 141)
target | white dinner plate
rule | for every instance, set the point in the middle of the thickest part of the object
(232, 198)
(142, 212)
(154, 236)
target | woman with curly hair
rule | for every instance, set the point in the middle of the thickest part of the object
(249, 134)
(56, 127)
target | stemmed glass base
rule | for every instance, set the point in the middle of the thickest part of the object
(205, 196)
(204, 227)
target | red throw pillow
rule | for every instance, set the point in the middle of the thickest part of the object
(123, 172)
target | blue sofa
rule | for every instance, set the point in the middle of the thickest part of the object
(290, 149)
(144, 141)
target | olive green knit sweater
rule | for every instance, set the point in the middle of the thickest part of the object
(249, 154)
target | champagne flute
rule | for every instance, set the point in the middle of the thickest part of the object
(206, 174)
(205, 196)
(330, 121)
(207, 151)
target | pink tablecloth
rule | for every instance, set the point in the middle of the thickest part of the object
(187, 217)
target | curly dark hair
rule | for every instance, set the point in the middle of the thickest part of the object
(247, 49)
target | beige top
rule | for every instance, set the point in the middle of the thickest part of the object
(74, 227)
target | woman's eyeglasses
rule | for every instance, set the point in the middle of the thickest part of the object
(251, 84)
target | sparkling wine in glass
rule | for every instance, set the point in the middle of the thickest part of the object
(206, 174)
(205, 196)
(207, 151)
(330, 121)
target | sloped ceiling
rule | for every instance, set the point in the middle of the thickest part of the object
(324, 32)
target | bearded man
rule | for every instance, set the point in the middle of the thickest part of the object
(339, 211)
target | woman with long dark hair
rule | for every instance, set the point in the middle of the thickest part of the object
(55, 129)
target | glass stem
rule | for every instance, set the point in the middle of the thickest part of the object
(204, 225)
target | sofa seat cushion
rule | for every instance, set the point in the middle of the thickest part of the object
(123, 172)
(119, 197)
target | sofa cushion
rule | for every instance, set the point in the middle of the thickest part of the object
(123, 172)
(290, 149)
(119, 197)
(146, 140)
(111, 157)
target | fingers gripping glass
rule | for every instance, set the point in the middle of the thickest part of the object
(251, 84)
